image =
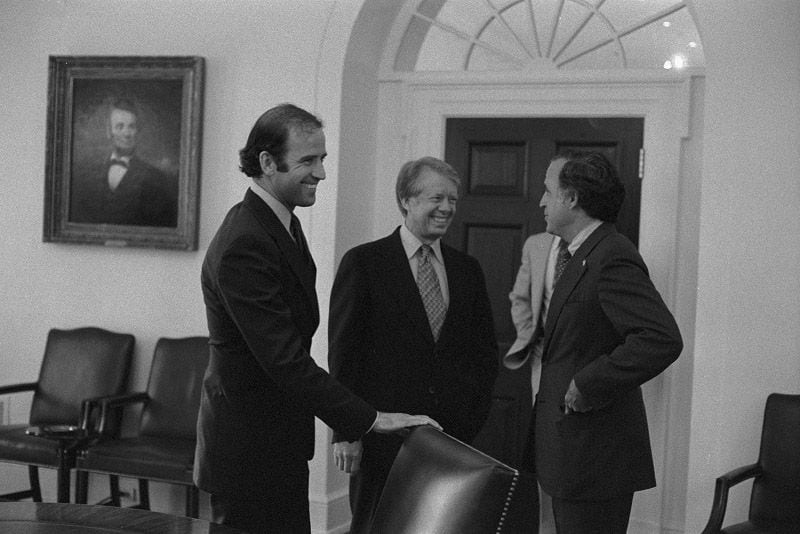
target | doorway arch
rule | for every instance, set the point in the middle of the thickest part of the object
(390, 116)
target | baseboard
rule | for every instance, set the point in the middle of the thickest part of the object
(331, 516)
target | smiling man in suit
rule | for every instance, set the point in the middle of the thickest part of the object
(411, 330)
(262, 389)
(606, 332)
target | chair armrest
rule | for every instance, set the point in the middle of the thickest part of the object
(17, 388)
(105, 405)
(723, 484)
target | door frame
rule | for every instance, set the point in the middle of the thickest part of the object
(411, 123)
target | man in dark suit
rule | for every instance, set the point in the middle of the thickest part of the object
(607, 331)
(411, 330)
(262, 389)
(122, 188)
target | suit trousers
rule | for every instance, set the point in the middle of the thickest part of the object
(592, 517)
(279, 505)
(366, 486)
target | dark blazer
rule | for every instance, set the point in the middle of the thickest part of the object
(607, 327)
(381, 345)
(146, 196)
(262, 389)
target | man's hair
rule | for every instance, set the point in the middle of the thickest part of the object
(408, 178)
(125, 104)
(271, 133)
(595, 181)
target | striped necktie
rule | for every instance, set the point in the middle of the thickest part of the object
(562, 258)
(430, 291)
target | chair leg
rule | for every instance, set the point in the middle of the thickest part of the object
(63, 476)
(113, 484)
(192, 501)
(36, 489)
(81, 487)
(144, 494)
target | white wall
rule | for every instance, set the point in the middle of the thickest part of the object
(748, 311)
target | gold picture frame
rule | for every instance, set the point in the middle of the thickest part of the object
(123, 150)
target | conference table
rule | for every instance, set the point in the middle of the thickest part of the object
(22, 517)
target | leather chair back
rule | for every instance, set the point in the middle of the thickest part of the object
(776, 494)
(440, 485)
(79, 364)
(176, 376)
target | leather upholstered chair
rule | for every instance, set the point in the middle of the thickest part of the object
(163, 449)
(77, 364)
(440, 485)
(775, 495)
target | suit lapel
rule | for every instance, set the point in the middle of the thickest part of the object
(306, 272)
(401, 284)
(569, 279)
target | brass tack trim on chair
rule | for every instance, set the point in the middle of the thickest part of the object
(507, 504)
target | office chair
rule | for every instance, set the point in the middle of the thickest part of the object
(78, 364)
(440, 485)
(775, 496)
(163, 449)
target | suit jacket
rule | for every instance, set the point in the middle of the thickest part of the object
(381, 345)
(526, 304)
(262, 389)
(608, 328)
(146, 196)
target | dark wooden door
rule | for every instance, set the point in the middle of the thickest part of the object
(502, 163)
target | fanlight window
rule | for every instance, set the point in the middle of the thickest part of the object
(490, 35)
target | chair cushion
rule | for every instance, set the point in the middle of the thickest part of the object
(18, 447)
(79, 364)
(168, 460)
(439, 484)
(176, 379)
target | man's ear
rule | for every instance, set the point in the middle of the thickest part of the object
(571, 198)
(267, 163)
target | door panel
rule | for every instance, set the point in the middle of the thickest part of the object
(496, 246)
(502, 163)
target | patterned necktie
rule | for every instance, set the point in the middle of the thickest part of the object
(562, 259)
(299, 238)
(430, 291)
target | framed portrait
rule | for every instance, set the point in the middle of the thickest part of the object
(123, 150)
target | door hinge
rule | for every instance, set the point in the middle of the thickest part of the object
(641, 163)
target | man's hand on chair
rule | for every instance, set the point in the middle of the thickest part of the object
(394, 422)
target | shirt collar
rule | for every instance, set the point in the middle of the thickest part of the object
(281, 211)
(581, 236)
(411, 244)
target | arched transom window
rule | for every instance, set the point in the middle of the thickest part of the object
(491, 35)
